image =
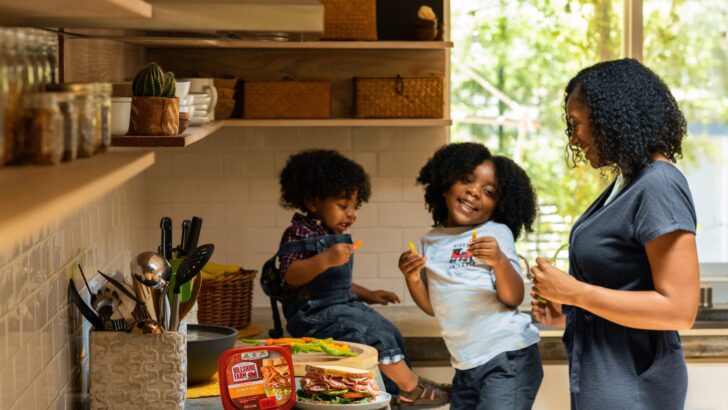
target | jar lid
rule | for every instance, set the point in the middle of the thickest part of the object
(104, 87)
(78, 88)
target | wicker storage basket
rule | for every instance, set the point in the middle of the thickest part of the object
(350, 20)
(398, 97)
(287, 99)
(228, 301)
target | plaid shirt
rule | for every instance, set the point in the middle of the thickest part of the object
(302, 227)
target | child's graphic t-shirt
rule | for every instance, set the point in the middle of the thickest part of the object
(475, 324)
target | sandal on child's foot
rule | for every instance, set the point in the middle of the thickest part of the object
(427, 394)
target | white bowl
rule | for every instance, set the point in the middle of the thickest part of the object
(188, 109)
(182, 88)
(202, 98)
(120, 113)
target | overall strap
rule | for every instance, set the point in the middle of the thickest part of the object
(317, 244)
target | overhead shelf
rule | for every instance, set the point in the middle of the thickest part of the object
(194, 134)
(80, 9)
(190, 136)
(42, 194)
(342, 122)
(181, 42)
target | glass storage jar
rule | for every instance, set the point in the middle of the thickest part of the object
(103, 114)
(67, 105)
(43, 128)
(89, 135)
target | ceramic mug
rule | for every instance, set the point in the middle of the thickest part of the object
(182, 88)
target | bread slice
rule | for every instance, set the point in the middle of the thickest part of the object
(340, 371)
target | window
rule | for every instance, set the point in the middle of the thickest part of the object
(512, 60)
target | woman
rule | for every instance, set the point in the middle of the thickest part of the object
(633, 269)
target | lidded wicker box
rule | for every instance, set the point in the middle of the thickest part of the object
(286, 99)
(350, 19)
(399, 97)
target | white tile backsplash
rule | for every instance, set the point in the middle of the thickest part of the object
(35, 350)
(251, 221)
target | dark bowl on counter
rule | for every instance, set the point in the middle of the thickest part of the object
(205, 345)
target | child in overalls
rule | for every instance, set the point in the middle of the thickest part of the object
(315, 266)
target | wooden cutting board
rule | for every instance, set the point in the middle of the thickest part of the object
(367, 358)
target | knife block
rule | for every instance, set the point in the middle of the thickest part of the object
(132, 371)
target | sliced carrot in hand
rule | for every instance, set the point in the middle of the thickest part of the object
(358, 244)
(412, 248)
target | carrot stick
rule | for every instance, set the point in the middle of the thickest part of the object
(412, 248)
(358, 244)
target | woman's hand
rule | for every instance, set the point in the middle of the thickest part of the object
(486, 249)
(380, 297)
(339, 254)
(411, 264)
(553, 284)
(548, 313)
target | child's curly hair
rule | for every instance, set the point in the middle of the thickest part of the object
(517, 202)
(453, 162)
(320, 174)
(632, 114)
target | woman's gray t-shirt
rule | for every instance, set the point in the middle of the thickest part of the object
(612, 365)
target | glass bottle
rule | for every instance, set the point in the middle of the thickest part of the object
(50, 49)
(15, 75)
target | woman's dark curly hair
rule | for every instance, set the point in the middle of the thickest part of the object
(517, 200)
(632, 114)
(320, 174)
(454, 162)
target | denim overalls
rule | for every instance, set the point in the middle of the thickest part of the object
(326, 307)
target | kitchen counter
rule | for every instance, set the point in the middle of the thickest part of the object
(706, 341)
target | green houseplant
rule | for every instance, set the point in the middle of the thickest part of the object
(154, 107)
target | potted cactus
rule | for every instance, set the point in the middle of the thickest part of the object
(154, 107)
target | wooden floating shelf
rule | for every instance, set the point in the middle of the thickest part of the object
(171, 42)
(82, 9)
(341, 122)
(190, 136)
(42, 194)
(194, 134)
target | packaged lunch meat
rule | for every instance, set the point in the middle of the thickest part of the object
(257, 378)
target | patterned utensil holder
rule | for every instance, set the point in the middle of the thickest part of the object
(129, 371)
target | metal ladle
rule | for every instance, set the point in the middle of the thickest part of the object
(154, 271)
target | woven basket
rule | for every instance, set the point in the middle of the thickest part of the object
(350, 20)
(398, 97)
(228, 301)
(287, 99)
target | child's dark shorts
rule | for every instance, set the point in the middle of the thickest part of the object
(509, 381)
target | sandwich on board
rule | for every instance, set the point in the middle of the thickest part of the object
(337, 385)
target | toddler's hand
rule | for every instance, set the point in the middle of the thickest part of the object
(486, 249)
(411, 264)
(339, 254)
(382, 297)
